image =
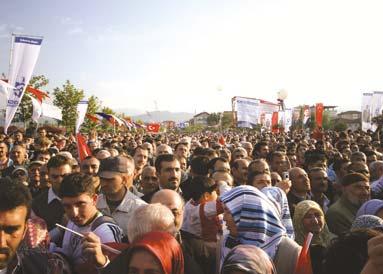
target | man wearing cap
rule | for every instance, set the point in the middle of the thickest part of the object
(356, 191)
(116, 177)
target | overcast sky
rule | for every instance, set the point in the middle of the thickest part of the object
(194, 55)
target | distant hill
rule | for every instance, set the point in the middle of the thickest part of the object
(159, 116)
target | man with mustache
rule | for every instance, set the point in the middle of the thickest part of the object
(319, 185)
(168, 170)
(16, 254)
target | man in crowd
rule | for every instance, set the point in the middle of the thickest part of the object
(239, 171)
(19, 158)
(4, 159)
(15, 257)
(356, 191)
(300, 187)
(319, 185)
(116, 176)
(47, 205)
(79, 200)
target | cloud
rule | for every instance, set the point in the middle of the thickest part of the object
(75, 30)
(69, 21)
(7, 29)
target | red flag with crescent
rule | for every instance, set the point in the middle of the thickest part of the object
(153, 127)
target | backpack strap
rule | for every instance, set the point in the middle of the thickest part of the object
(102, 220)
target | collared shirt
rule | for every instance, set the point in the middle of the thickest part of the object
(52, 196)
(324, 204)
(123, 212)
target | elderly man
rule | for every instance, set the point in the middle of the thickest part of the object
(163, 149)
(149, 180)
(18, 157)
(239, 171)
(116, 176)
(300, 187)
(356, 191)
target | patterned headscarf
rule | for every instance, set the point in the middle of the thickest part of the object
(279, 199)
(247, 259)
(257, 219)
(367, 222)
(323, 238)
(370, 207)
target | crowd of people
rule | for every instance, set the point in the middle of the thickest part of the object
(204, 203)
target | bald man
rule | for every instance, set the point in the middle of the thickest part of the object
(300, 187)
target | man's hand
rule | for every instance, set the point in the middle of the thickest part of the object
(375, 252)
(285, 185)
(92, 249)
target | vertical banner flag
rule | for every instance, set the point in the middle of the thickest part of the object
(376, 107)
(306, 116)
(319, 114)
(25, 51)
(366, 111)
(288, 119)
(281, 118)
(81, 111)
(274, 122)
(268, 119)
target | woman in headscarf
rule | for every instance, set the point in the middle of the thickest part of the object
(371, 207)
(154, 252)
(279, 199)
(253, 219)
(309, 217)
(247, 259)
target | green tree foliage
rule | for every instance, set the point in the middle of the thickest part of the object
(67, 99)
(94, 105)
(340, 126)
(213, 119)
(24, 111)
(227, 120)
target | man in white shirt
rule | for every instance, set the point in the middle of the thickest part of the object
(116, 176)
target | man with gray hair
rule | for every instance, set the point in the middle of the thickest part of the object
(116, 178)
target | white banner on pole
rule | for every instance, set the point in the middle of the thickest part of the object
(82, 107)
(51, 111)
(247, 112)
(25, 51)
(366, 111)
(288, 119)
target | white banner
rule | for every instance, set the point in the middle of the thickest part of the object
(81, 111)
(25, 51)
(247, 112)
(366, 111)
(51, 111)
(37, 108)
(288, 119)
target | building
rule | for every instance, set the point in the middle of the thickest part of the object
(351, 118)
(200, 118)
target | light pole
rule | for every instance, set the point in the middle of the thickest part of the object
(282, 95)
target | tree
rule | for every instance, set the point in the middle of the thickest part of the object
(67, 99)
(24, 111)
(227, 120)
(213, 119)
(94, 105)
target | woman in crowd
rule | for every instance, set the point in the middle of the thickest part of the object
(247, 259)
(253, 219)
(309, 217)
(154, 252)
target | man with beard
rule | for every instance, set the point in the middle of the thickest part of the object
(90, 166)
(356, 191)
(15, 256)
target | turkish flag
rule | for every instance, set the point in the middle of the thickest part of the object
(303, 265)
(82, 147)
(154, 128)
(319, 114)
(40, 95)
(222, 140)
